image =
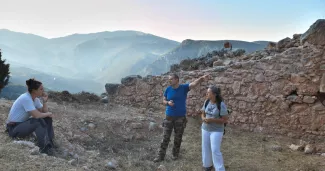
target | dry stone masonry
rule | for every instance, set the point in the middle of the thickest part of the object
(276, 90)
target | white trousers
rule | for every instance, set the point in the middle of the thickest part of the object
(211, 154)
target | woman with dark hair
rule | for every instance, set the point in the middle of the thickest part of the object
(214, 115)
(28, 115)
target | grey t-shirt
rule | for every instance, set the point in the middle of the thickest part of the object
(19, 111)
(212, 111)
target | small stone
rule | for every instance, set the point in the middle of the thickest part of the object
(309, 149)
(73, 162)
(269, 114)
(276, 148)
(136, 125)
(259, 78)
(34, 151)
(85, 168)
(140, 137)
(25, 143)
(83, 129)
(162, 168)
(293, 98)
(219, 68)
(218, 63)
(141, 118)
(104, 100)
(236, 65)
(152, 126)
(65, 153)
(76, 136)
(112, 164)
(76, 156)
(302, 143)
(296, 147)
(323, 154)
(322, 67)
(91, 125)
(309, 99)
(70, 134)
(128, 138)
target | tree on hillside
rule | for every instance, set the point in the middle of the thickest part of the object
(4, 73)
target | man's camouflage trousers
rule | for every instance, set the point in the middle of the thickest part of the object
(170, 123)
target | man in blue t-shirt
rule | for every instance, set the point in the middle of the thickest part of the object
(175, 100)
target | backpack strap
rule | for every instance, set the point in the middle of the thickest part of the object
(219, 108)
(206, 102)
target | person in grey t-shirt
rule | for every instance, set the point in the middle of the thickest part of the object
(214, 115)
(28, 115)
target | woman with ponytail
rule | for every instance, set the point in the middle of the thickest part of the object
(28, 114)
(214, 115)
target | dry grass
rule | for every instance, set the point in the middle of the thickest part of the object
(134, 149)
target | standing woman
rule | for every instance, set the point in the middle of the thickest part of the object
(28, 115)
(214, 115)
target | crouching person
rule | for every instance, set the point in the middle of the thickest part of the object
(28, 115)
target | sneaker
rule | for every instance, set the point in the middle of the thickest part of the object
(208, 168)
(158, 159)
(47, 150)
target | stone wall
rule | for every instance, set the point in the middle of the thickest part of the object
(275, 92)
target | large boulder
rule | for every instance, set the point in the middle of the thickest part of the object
(239, 52)
(129, 80)
(111, 88)
(283, 44)
(315, 34)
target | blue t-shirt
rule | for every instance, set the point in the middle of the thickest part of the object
(178, 96)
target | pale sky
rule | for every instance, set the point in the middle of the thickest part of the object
(178, 20)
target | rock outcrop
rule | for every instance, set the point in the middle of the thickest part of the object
(273, 91)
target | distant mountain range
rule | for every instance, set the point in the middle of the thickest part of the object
(58, 83)
(88, 61)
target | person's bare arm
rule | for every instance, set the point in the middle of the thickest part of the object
(45, 108)
(203, 116)
(170, 102)
(38, 114)
(223, 119)
(165, 101)
(198, 81)
(45, 97)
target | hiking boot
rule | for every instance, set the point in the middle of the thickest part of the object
(158, 159)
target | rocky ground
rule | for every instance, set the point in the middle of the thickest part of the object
(98, 136)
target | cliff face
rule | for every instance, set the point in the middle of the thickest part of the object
(274, 90)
